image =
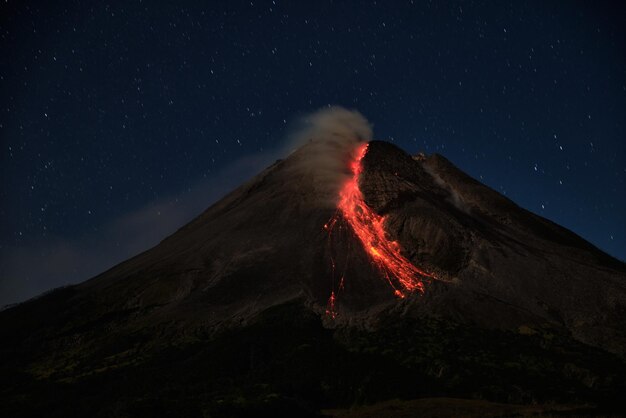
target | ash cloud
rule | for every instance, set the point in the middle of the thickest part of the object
(333, 125)
(323, 146)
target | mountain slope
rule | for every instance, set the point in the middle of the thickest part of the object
(233, 305)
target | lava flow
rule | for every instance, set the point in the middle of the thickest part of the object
(368, 226)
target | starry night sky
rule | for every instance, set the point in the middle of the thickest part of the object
(121, 121)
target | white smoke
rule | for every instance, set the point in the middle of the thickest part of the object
(323, 146)
(334, 124)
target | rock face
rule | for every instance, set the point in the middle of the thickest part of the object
(507, 276)
(507, 267)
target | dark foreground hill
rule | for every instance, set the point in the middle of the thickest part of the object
(226, 317)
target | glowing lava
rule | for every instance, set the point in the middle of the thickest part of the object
(368, 226)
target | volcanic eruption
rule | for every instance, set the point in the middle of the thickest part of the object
(439, 287)
(369, 228)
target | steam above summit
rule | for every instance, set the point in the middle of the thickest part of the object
(322, 147)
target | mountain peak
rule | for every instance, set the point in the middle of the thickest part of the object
(422, 241)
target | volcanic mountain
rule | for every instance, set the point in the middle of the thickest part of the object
(271, 302)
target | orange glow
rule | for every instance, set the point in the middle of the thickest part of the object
(368, 226)
(330, 309)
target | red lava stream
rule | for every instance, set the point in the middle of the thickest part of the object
(369, 227)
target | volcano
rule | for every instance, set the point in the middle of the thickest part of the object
(273, 303)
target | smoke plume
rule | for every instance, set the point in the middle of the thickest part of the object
(323, 146)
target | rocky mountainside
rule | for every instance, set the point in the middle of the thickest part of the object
(227, 316)
(508, 267)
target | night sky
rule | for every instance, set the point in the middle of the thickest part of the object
(121, 121)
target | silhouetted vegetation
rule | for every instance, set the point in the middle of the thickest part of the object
(287, 364)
